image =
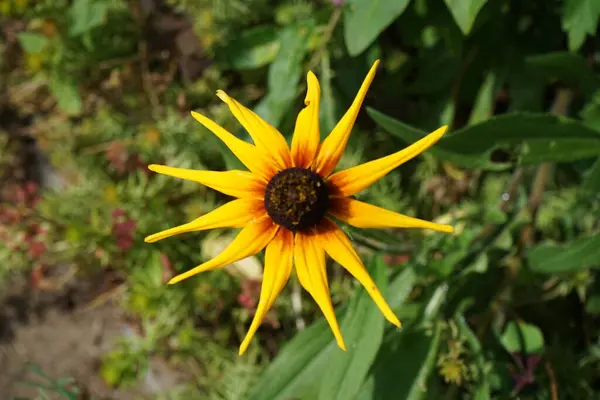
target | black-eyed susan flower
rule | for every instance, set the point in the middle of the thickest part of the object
(286, 201)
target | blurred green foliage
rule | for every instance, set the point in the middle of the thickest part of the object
(508, 307)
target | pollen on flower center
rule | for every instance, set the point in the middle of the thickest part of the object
(296, 198)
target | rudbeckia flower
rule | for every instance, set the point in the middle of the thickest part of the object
(286, 201)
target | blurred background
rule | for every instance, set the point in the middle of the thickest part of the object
(92, 91)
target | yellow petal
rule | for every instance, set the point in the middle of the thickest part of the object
(363, 215)
(309, 258)
(353, 180)
(252, 239)
(307, 136)
(338, 246)
(265, 136)
(278, 266)
(234, 214)
(255, 159)
(234, 183)
(334, 145)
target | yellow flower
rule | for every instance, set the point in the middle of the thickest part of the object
(285, 201)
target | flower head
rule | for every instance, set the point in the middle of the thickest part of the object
(287, 198)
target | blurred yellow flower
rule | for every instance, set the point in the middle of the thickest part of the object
(110, 194)
(287, 198)
(152, 136)
(34, 61)
(49, 28)
(13, 7)
(453, 370)
(4, 7)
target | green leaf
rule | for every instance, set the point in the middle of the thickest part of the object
(435, 303)
(285, 73)
(465, 12)
(400, 288)
(520, 337)
(300, 365)
(403, 365)
(87, 15)
(298, 369)
(592, 305)
(363, 332)
(482, 390)
(484, 104)
(527, 87)
(253, 48)
(591, 112)
(436, 74)
(591, 178)
(66, 93)
(580, 18)
(33, 43)
(328, 115)
(364, 20)
(527, 138)
(571, 68)
(551, 258)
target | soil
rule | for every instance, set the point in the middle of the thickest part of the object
(58, 333)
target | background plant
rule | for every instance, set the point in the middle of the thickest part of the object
(507, 307)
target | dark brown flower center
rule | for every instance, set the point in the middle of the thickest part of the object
(296, 198)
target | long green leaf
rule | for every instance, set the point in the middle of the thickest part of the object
(400, 288)
(551, 258)
(482, 390)
(328, 115)
(301, 364)
(298, 366)
(591, 180)
(363, 332)
(484, 104)
(527, 138)
(403, 365)
(571, 68)
(590, 114)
